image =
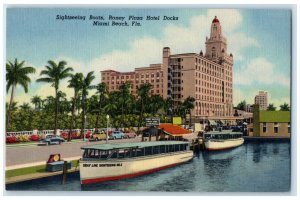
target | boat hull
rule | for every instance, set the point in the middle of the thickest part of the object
(115, 169)
(214, 145)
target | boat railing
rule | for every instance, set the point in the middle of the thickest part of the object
(132, 152)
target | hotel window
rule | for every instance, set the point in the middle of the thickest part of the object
(275, 129)
(142, 75)
(147, 75)
(157, 91)
(264, 127)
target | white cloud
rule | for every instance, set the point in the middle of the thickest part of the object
(241, 95)
(141, 53)
(181, 39)
(260, 71)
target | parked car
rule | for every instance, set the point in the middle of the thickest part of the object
(130, 135)
(98, 136)
(117, 135)
(52, 139)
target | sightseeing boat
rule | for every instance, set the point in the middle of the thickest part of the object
(219, 140)
(107, 162)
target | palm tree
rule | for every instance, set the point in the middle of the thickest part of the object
(13, 108)
(143, 93)
(36, 101)
(85, 87)
(62, 102)
(25, 106)
(285, 107)
(156, 103)
(102, 90)
(76, 83)
(16, 73)
(124, 91)
(271, 107)
(189, 105)
(54, 74)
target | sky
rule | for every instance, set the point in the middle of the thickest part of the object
(259, 39)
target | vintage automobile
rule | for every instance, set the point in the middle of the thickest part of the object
(117, 135)
(130, 135)
(98, 136)
(52, 139)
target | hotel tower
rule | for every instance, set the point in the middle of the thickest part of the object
(207, 77)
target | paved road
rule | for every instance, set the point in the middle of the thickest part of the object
(19, 155)
(33, 153)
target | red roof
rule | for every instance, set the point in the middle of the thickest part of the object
(215, 20)
(174, 130)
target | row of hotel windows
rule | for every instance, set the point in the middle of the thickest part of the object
(151, 91)
(204, 70)
(158, 74)
(211, 92)
(214, 86)
(209, 78)
(202, 63)
(275, 127)
(136, 87)
(137, 81)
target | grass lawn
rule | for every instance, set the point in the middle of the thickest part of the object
(30, 170)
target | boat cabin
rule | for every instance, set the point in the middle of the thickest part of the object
(132, 150)
(222, 136)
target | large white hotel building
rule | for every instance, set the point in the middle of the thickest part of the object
(207, 77)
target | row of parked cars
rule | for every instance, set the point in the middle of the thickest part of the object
(101, 135)
(97, 136)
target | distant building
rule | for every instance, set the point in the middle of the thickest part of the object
(262, 100)
(270, 123)
(249, 108)
(206, 77)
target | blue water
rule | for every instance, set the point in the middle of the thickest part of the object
(252, 167)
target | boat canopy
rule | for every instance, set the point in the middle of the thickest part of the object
(132, 145)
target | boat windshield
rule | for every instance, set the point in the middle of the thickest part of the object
(91, 153)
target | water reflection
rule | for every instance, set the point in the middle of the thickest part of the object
(216, 164)
(256, 152)
(252, 167)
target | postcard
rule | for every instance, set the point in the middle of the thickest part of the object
(148, 99)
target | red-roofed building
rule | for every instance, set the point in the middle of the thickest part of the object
(173, 130)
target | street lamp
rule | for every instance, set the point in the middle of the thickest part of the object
(107, 117)
(84, 127)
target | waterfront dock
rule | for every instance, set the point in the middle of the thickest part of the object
(265, 138)
(37, 175)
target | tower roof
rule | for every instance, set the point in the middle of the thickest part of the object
(215, 20)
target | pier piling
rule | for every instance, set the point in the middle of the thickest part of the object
(65, 171)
